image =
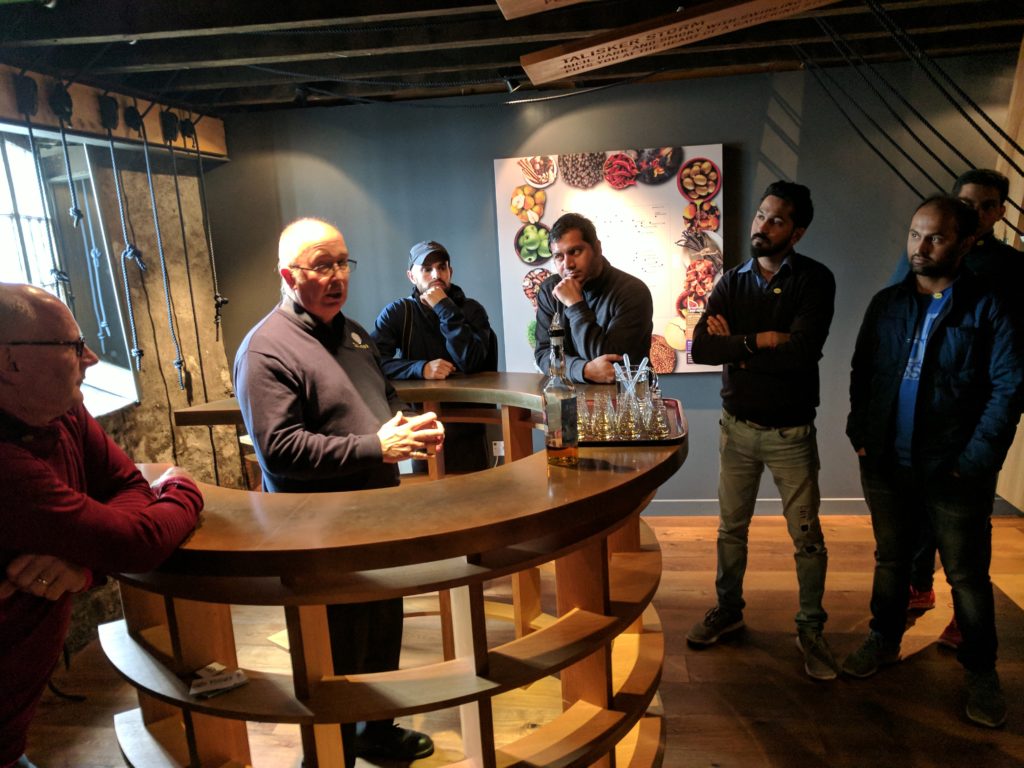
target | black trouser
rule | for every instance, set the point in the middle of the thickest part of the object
(365, 637)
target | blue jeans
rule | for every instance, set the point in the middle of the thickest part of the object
(791, 455)
(959, 513)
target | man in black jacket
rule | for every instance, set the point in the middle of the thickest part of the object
(606, 313)
(935, 393)
(766, 322)
(436, 332)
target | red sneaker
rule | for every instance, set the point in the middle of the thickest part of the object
(921, 600)
(951, 637)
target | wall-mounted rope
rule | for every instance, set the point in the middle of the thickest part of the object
(93, 255)
(109, 119)
(188, 130)
(134, 121)
(27, 97)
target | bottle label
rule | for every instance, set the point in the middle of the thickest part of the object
(562, 426)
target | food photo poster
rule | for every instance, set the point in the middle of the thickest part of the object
(658, 214)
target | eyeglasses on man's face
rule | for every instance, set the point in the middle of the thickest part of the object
(325, 268)
(78, 344)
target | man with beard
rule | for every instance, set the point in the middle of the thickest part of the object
(766, 323)
(1001, 268)
(434, 333)
(323, 418)
(606, 313)
(935, 395)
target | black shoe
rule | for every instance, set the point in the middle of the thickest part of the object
(393, 743)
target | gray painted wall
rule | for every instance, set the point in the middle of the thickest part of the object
(390, 175)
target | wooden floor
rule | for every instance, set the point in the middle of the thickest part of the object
(743, 704)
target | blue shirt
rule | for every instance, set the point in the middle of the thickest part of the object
(906, 402)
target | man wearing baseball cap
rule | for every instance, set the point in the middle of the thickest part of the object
(433, 333)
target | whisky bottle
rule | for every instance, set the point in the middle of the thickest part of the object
(562, 434)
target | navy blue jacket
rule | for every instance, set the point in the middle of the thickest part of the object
(972, 380)
(409, 334)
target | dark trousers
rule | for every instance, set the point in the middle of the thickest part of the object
(365, 637)
(958, 510)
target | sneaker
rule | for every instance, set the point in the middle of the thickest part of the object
(921, 600)
(819, 662)
(715, 624)
(951, 637)
(874, 653)
(393, 743)
(985, 702)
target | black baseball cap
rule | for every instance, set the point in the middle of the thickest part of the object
(420, 252)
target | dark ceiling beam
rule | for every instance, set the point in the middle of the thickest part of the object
(677, 67)
(90, 22)
(236, 50)
(490, 61)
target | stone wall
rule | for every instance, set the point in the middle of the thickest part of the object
(145, 430)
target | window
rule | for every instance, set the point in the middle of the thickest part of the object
(72, 262)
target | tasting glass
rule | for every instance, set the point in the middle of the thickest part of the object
(603, 417)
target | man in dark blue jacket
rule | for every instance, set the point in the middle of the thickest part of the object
(434, 333)
(935, 395)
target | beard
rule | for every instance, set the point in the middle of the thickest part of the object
(761, 246)
(930, 268)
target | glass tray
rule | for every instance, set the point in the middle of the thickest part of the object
(676, 429)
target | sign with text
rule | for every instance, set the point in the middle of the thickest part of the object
(658, 214)
(656, 35)
(515, 9)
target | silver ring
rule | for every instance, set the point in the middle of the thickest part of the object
(44, 582)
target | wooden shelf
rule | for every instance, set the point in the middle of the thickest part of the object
(306, 551)
(577, 737)
(266, 697)
(157, 745)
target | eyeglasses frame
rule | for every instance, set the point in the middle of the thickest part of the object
(78, 344)
(347, 266)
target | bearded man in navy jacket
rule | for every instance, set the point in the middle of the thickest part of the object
(935, 394)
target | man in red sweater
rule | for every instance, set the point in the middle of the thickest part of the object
(72, 504)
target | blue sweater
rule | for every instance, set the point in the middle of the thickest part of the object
(971, 387)
(313, 396)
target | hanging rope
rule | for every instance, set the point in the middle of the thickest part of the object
(884, 133)
(846, 51)
(60, 103)
(813, 69)
(109, 120)
(134, 121)
(926, 65)
(95, 274)
(27, 96)
(170, 126)
(188, 130)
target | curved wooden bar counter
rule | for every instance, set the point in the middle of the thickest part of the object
(302, 551)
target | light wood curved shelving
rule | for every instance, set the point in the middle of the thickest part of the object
(302, 551)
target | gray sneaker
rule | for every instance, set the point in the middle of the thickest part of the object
(715, 624)
(875, 653)
(985, 702)
(819, 662)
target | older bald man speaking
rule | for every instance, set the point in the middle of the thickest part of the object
(322, 417)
